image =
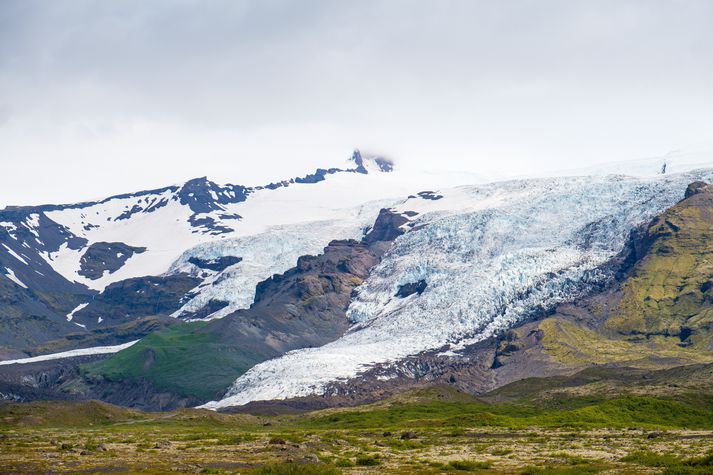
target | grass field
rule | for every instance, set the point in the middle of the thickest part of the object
(427, 431)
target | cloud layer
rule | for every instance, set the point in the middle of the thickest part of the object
(102, 97)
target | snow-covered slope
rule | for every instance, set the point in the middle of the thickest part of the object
(489, 256)
(169, 221)
(675, 161)
(73, 264)
(83, 248)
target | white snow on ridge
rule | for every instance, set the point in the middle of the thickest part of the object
(10, 227)
(489, 255)
(97, 350)
(166, 232)
(675, 161)
(278, 226)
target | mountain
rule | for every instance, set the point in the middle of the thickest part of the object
(70, 270)
(353, 284)
(486, 259)
(303, 307)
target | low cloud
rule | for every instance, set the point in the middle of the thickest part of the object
(113, 96)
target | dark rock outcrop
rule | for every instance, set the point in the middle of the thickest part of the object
(384, 164)
(698, 187)
(305, 306)
(101, 257)
(136, 298)
(411, 288)
(386, 228)
(429, 195)
(218, 265)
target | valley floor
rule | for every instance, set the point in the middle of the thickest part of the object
(432, 431)
(475, 450)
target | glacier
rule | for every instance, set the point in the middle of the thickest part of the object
(490, 255)
(264, 254)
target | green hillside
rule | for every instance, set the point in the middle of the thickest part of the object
(172, 358)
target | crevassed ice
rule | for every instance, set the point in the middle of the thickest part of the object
(274, 251)
(507, 249)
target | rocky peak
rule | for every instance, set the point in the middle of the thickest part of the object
(365, 164)
(203, 195)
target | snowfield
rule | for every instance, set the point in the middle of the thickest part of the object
(490, 255)
(337, 208)
(96, 350)
(279, 226)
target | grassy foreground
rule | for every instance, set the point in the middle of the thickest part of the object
(436, 430)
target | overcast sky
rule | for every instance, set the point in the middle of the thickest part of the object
(100, 97)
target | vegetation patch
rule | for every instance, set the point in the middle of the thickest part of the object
(468, 465)
(180, 359)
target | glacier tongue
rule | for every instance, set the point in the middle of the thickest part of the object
(489, 255)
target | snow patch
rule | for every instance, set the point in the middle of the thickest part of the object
(9, 226)
(32, 223)
(15, 255)
(11, 275)
(70, 315)
(97, 350)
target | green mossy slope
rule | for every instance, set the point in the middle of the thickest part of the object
(670, 292)
(181, 360)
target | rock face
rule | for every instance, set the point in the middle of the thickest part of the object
(132, 299)
(669, 292)
(219, 264)
(411, 288)
(101, 257)
(26, 321)
(306, 306)
(698, 187)
(387, 227)
(34, 298)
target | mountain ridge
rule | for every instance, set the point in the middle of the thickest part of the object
(55, 260)
(474, 287)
